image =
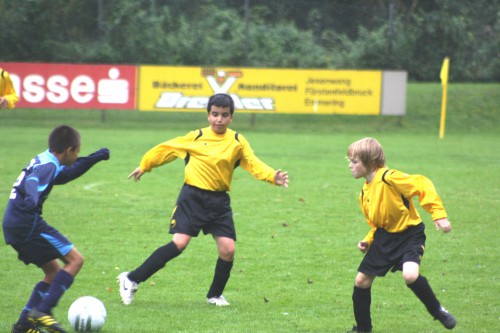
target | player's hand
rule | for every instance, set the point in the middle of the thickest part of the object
(363, 246)
(104, 152)
(137, 173)
(281, 178)
(3, 103)
(443, 224)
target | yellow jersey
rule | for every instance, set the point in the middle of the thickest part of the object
(210, 158)
(7, 89)
(387, 203)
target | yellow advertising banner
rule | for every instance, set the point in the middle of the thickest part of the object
(261, 90)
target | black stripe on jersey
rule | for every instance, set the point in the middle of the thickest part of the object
(186, 159)
(362, 195)
(383, 177)
(405, 202)
(237, 164)
(2, 72)
(199, 135)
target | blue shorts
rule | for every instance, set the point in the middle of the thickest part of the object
(199, 209)
(43, 247)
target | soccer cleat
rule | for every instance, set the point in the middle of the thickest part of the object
(355, 330)
(127, 288)
(46, 321)
(28, 328)
(218, 301)
(447, 319)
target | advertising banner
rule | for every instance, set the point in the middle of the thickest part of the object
(71, 86)
(261, 90)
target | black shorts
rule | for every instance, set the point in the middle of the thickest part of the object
(198, 209)
(43, 247)
(389, 251)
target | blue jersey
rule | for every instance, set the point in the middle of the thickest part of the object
(23, 215)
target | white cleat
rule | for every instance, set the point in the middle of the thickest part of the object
(127, 288)
(218, 301)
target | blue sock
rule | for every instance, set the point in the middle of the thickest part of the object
(61, 283)
(36, 297)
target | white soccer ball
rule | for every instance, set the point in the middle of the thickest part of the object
(87, 314)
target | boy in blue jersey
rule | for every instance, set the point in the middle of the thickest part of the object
(36, 241)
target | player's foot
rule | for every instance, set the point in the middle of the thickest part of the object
(127, 288)
(218, 301)
(45, 321)
(28, 328)
(447, 319)
(355, 330)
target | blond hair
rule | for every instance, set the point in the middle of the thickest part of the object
(369, 151)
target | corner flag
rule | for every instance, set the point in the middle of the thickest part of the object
(444, 82)
(444, 71)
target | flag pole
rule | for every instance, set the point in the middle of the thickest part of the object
(444, 82)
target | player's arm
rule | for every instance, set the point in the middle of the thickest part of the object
(163, 153)
(80, 166)
(428, 198)
(364, 244)
(258, 169)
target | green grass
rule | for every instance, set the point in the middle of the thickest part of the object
(296, 254)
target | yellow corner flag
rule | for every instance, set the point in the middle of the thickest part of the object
(444, 71)
(444, 82)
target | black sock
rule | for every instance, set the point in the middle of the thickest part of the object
(362, 299)
(155, 262)
(424, 292)
(221, 276)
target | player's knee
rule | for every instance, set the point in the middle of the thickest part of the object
(363, 281)
(180, 245)
(227, 254)
(78, 261)
(410, 276)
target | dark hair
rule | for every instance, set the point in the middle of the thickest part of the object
(221, 100)
(62, 138)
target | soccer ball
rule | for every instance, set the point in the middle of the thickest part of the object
(87, 314)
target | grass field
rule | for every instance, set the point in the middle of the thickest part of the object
(296, 255)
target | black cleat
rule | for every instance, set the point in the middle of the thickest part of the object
(28, 328)
(447, 319)
(45, 321)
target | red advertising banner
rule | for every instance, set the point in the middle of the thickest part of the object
(71, 86)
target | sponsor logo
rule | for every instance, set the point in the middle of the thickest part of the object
(220, 82)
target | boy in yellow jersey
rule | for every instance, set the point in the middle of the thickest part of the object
(396, 240)
(211, 154)
(8, 96)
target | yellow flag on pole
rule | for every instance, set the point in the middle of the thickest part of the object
(444, 82)
(444, 71)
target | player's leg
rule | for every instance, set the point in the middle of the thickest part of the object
(41, 314)
(420, 286)
(41, 288)
(157, 260)
(361, 299)
(226, 249)
(62, 280)
(23, 324)
(43, 250)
